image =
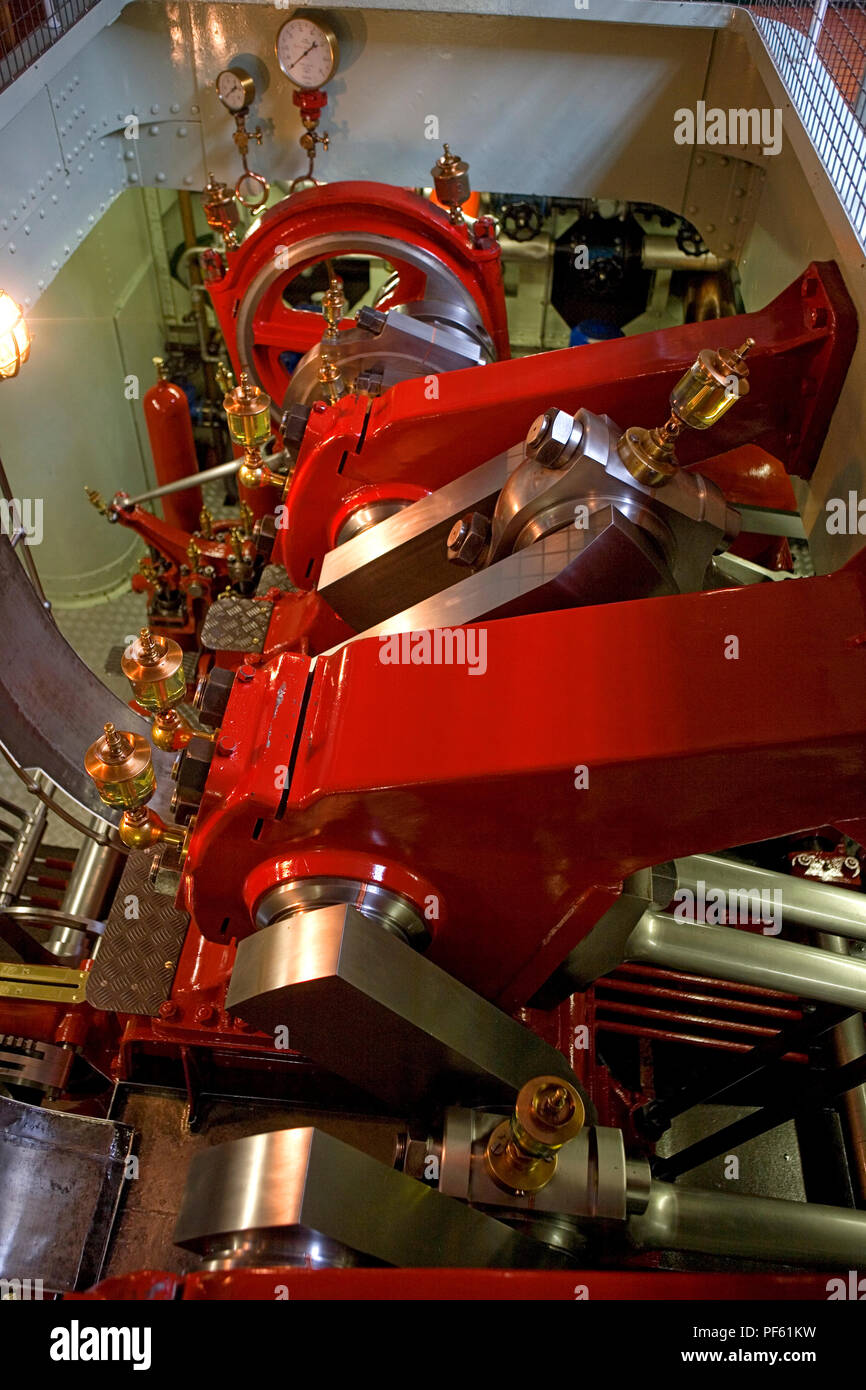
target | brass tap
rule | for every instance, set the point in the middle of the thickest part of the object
(193, 556)
(713, 383)
(247, 518)
(205, 524)
(97, 500)
(221, 211)
(521, 1152)
(121, 767)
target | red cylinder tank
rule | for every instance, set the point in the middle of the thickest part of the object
(169, 428)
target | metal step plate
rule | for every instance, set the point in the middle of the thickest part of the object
(137, 959)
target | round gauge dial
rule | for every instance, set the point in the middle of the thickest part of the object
(307, 52)
(235, 89)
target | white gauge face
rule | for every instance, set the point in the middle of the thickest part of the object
(231, 91)
(307, 53)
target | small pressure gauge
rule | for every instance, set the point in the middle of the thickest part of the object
(307, 52)
(235, 89)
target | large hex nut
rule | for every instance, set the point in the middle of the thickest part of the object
(467, 538)
(549, 438)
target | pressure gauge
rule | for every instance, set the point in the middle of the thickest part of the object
(307, 52)
(235, 89)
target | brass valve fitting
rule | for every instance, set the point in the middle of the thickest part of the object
(521, 1151)
(121, 767)
(714, 382)
(220, 210)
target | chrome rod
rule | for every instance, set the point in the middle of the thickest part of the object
(752, 1228)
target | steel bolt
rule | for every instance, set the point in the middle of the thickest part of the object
(549, 438)
(467, 538)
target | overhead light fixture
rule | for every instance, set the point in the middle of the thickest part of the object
(14, 337)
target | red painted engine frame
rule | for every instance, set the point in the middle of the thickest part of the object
(411, 441)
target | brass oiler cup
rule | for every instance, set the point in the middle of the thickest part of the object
(121, 768)
(154, 668)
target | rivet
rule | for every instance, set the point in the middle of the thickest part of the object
(160, 178)
(194, 110)
(175, 108)
(154, 109)
(182, 131)
(11, 248)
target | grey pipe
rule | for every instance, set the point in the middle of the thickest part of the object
(751, 1228)
(815, 906)
(727, 954)
(849, 1042)
(22, 853)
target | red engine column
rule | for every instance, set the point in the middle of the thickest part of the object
(169, 428)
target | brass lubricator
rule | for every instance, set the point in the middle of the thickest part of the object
(220, 210)
(121, 767)
(716, 379)
(153, 665)
(248, 411)
(450, 176)
(333, 308)
(521, 1151)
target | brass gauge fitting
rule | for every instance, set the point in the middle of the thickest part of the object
(248, 411)
(121, 767)
(220, 210)
(715, 380)
(450, 176)
(521, 1151)
(154, 668)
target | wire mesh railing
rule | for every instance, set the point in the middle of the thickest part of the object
(820, 52)
(28, 28)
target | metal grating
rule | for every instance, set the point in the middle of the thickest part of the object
(28, 28)
(820, 53)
